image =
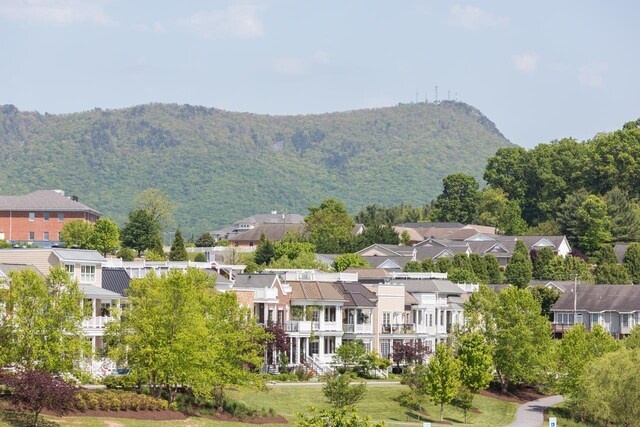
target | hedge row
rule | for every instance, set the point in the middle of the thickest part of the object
(107, 400)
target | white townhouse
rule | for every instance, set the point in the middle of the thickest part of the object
(85, 266)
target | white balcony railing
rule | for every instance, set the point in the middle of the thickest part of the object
(301, 326)
(265, 294)
(365, 328)
(401, 328)
(98, 322)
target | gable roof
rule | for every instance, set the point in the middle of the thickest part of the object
(6, 269)
(315, 291)
(43, 200)
(79, 255)
(387, 262)
(541, 241)
(599, 298)
(115, 280)
(272, 218)
(272, 232)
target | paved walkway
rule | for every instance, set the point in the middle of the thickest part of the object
(531, 414)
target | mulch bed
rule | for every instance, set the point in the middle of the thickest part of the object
(163, 415)
(278, 419)
(519, 395)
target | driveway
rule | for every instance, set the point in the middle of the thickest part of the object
(531, 414)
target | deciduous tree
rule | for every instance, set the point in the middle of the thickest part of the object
(42, 327)
(342, 262)
(329, 226)
(443, 377)
(459, 200)
(476, 363)
(106, 236)
(339, 392)
(141, 231)
(77, 233)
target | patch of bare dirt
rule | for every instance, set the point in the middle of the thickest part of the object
(134, 415)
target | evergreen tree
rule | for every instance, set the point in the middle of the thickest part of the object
(178, 251)
(493, 269)
(542, 263)
(625, 216)
(519, 270)
(594, 224)
(631, 261)
(479, 268)
(605, 255)
(405, 238)
(265, 251)
(612, 274)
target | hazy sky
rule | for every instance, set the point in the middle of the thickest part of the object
(540, 70)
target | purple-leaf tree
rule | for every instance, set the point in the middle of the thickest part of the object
(35, 390)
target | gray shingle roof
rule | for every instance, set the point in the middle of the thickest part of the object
(79, 255)
(254, 281)
(598, 298)
(620, 250)
(96, 292)
(42, 200)
(356, 294)
(270, 231)
(115, 280)
(5, 269)
(428, 285)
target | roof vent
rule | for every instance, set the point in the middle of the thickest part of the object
(274, 212)
(61, 192)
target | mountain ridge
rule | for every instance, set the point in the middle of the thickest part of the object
(219, 166)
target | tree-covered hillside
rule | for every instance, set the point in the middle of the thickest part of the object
(219, 166)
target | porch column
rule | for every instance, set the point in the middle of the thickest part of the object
(297, 351)
(290, 351)
(322, 317)
(94, 306)
(306, 347)
(266, 313)
(321, 347)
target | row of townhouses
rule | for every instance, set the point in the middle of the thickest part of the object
(318, 311)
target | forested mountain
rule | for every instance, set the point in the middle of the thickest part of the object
(218, 166)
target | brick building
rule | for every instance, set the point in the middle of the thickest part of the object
(38, 217)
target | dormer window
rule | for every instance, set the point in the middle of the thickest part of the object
(88, 273)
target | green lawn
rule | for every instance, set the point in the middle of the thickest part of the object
(379, 403)
(564, 419)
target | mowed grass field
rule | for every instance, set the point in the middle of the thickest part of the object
(288, 400)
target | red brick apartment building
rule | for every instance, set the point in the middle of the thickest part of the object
(37, 218)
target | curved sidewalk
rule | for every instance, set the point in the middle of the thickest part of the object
(531, 414)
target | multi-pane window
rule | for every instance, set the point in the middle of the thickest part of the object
(70, 269)
(60, 216)
(329, 345)
(330, 314)
(625, 320)
(88, 273)
(565, 318)
(105, 309)
(45, 216)
(32, 235)
(578, 317)
(32, 216)
(595, 318)
(45, 235)
(386, 319)
(385, 348)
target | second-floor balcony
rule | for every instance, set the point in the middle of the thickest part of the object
(96, 323)
(364, 328)
(399, 328)
(301, 326)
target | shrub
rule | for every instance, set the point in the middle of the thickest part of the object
(109, 400)
(126, 254)
(200, 257)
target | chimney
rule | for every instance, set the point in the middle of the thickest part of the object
(74, 198)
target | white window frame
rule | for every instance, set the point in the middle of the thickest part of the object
(32, 235)
(45, 236)
(45, 216)
(32, 216)
(60, 216)
(87, 273)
